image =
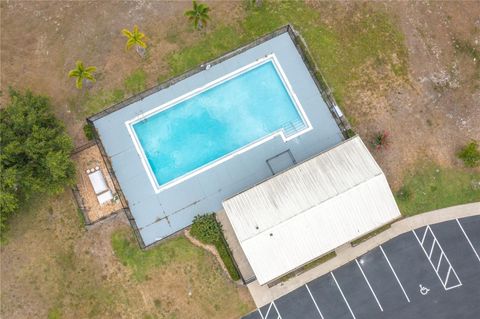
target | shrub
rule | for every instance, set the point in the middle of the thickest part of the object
(208, 230)
(403, 194)
(350, 133)
(89, 131)
(380, 140)
(470, 155)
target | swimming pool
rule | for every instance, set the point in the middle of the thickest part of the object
(224, 118)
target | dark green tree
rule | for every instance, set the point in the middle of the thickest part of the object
(35, 152)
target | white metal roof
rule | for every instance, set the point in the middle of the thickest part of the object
(311, 209)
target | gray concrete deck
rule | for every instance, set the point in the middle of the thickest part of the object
(159, 215)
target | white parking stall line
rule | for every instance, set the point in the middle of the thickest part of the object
(442, 253)
(268, 310)
(394, 273)
(261, 315)
(468, 239)
(314, 301)
(424, 234)
(341, 292)
(439, 262)
(431, 250)
(369, 286)
(278, 312)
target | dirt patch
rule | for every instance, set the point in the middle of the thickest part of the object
(55, 35)
(437, 110)
(86, 160)
(52, 265)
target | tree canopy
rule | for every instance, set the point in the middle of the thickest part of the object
(198, 15)
(134, 37)
(35, 152)
(82, 73)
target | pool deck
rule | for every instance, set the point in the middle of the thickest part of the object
(158, 215)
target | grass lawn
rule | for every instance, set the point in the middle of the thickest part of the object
(339, 50)
(51, 267)
(429, 187)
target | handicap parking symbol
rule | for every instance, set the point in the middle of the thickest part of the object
(423, 290)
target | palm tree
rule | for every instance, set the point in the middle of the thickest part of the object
(82, 74)
(199, 15)
(135, 38)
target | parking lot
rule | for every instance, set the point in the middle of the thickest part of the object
(431, 272)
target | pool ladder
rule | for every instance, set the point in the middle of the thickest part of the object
(293, 127)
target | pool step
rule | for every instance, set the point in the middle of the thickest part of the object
(293, 127)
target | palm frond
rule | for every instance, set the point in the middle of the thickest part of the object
(90, 69)
(73, 73)
(130, 43)
(90, 77)
(141, 44)
(127, 33)
(190, 13)
(79, 82)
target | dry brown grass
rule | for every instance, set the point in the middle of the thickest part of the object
(52, 266)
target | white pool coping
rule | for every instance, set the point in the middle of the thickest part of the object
(267, 58)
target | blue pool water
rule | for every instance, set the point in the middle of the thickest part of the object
(217, 122)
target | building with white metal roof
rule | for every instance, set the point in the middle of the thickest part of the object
(311, 209)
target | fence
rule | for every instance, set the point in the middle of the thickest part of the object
(118, 190)
(304, 52)
(319, 79)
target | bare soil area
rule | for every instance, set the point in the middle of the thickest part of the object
(51, 266)
(86, 160)
(437, 111)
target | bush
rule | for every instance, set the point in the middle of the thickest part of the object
(89, 131)
(470, 155)
(380, 140)
(208, 230)
(403, 193)
(35, 155)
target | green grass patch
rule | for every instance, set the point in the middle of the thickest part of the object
(54, 313)
(95, 102)
(431, 187)
(339, 50)
(208, 230)
(136, 82)
(142, 261)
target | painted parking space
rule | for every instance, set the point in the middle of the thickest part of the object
(298, 305)
(470, 228)
(383, 281)
(360, 297)
(329, 298)
(431, 272)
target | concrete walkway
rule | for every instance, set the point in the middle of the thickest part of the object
(346, 253)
